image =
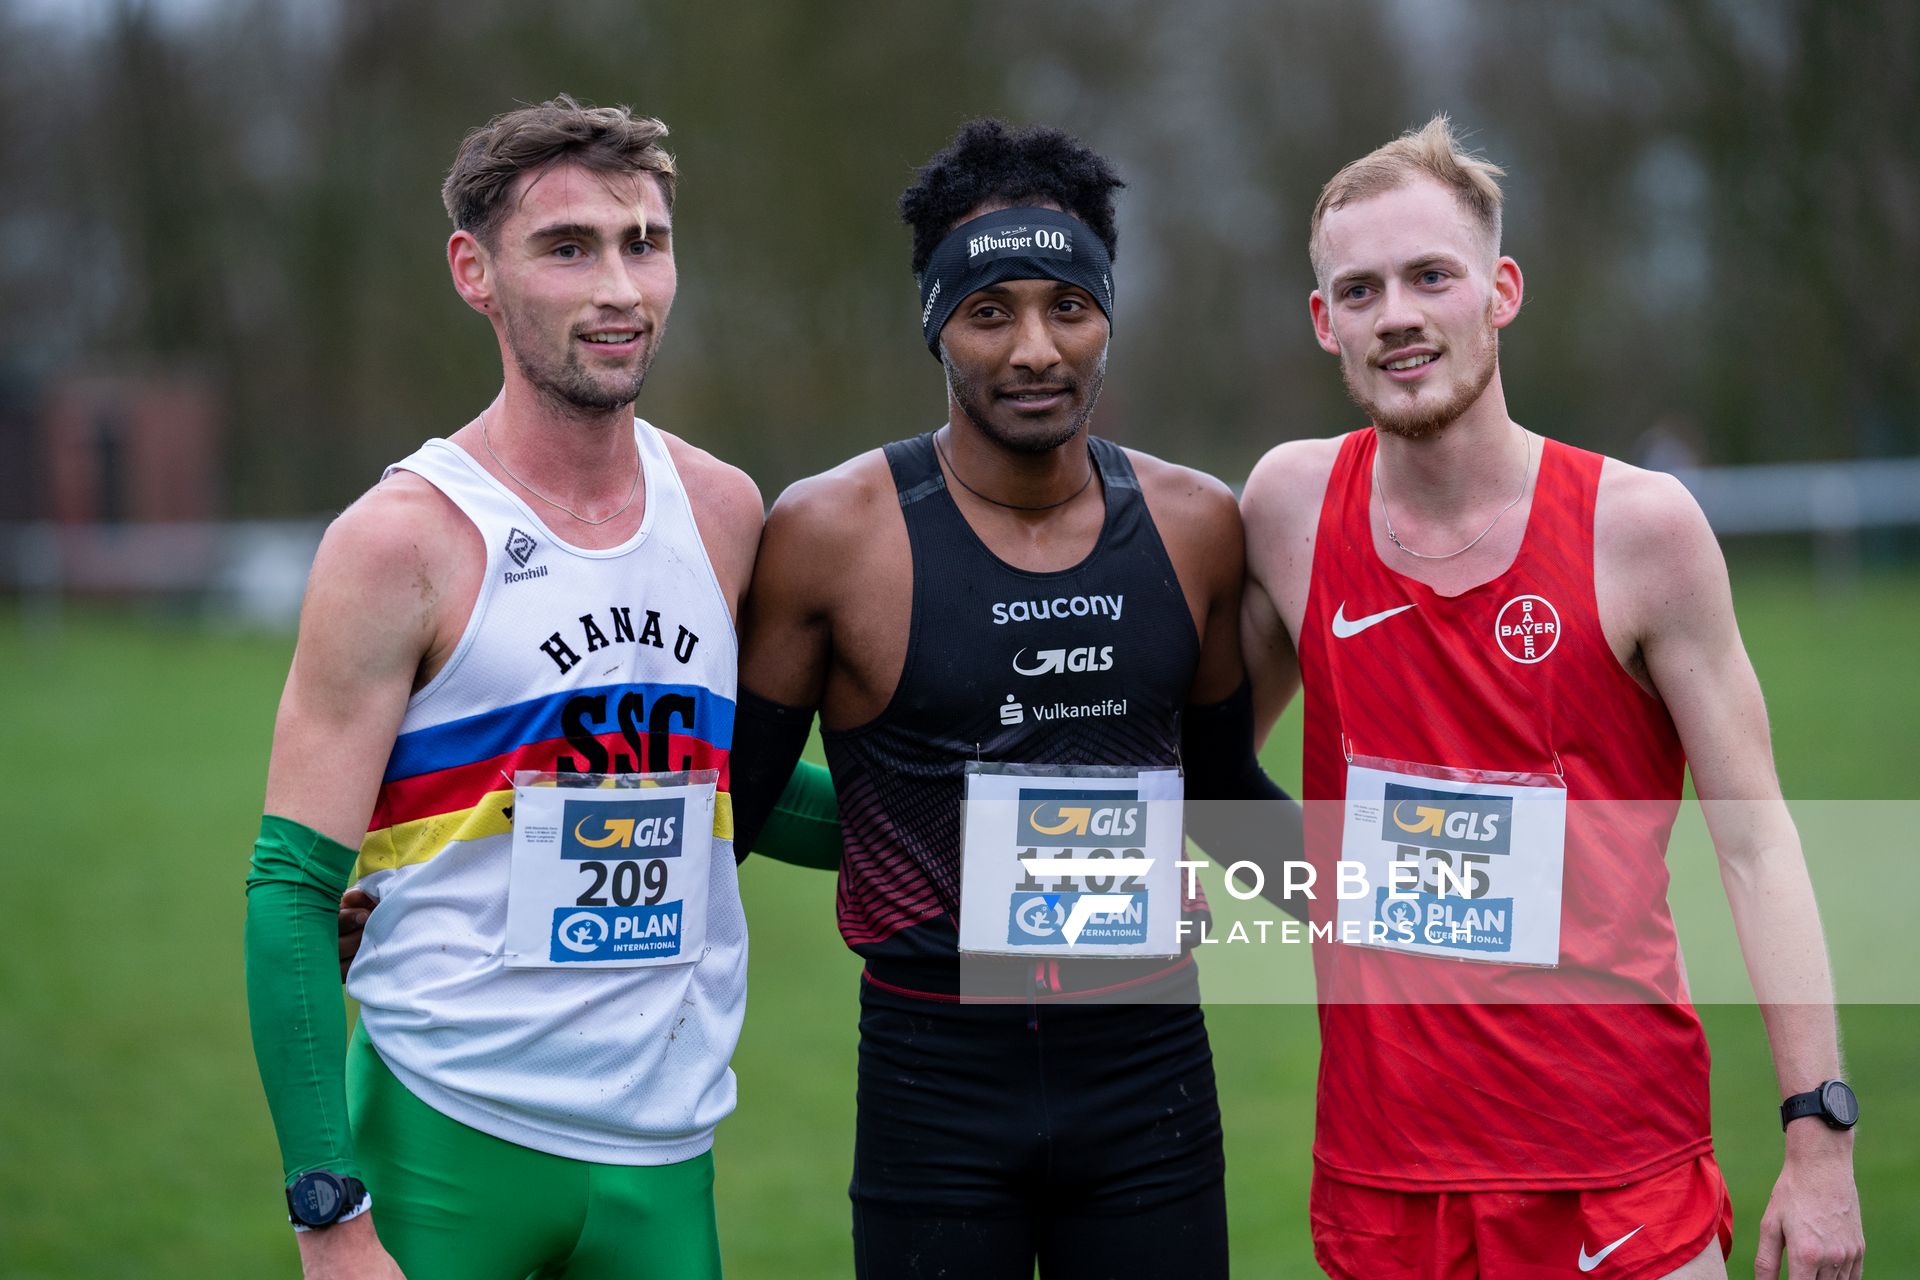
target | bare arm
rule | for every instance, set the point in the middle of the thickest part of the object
(371, 619)
(1199, 522)
(784, 651)
(787, 638)
(1659, 567)
(366, 626)
(1281, 507)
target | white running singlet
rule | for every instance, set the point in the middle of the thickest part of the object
(615, 661)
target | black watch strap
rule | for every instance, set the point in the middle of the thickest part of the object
(1799, 1106)
(1834, 1102)
(320, 1199)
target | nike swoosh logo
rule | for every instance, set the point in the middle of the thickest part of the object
(1589, 1263)
(1343, 628)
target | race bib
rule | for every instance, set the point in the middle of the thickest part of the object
(1061, 861)
(1459, 864)
(609, 870)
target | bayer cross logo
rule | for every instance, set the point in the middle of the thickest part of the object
(520, 545)
(1528, 628)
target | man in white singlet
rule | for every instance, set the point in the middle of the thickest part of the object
(553, 985)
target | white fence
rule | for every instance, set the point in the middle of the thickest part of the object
(255, 570)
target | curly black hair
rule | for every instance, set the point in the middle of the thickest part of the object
(989, 161)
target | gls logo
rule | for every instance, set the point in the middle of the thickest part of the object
(1447, 819)
(1051, 661)
(1080, 819)
(623, 828)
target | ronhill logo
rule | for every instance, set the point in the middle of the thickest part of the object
(521, 546)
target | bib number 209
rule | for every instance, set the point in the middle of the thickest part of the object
(622, 882)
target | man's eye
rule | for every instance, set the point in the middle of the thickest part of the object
(640, 248)
(1355, 292)
(567, 251)
(1432, 277)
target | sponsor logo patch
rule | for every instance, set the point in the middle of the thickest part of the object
(1006, 611)
(1447, 819)
(1074, 819)
(606, 830)
(615, 933)
(1057, 661)
(1043, 919)
(521, 546)
(1527, 628)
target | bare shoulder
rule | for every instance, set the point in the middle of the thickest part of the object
(1658, 572)
(716, 487)
(402, 532)
(1184, 493)
(823, 535)
(387, 569)
(1649, 529)
(1286, 485)
(727, 510)
(835, 508)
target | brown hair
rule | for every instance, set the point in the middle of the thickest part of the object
(1432, 151)
(603, 139)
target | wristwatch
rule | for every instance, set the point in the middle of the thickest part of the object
(1834, 1102)
(320, 1199)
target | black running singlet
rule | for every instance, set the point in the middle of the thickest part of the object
(1088, 666)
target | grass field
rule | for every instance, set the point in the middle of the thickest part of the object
(134, 1141)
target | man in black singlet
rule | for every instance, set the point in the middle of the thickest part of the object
(1008, 588)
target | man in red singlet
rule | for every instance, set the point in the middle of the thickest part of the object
(1511, 651)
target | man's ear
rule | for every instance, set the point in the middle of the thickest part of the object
(472, 270)
(1509, 289)
(1323, 323)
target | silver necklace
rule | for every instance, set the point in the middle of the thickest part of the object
(487, 440)
(1526, 466)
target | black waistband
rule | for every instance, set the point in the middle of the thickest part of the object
(1012, 980)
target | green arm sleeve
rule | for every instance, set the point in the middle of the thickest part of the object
(293, 993)
(804, 828)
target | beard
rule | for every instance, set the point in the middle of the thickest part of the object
(566, 383)
(975, 400)
(1422, 419)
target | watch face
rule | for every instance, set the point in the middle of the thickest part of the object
(1840, 1102)
(316, 1198)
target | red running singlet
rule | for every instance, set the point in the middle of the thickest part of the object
(1588, 1073)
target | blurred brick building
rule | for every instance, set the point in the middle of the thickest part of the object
(127, 448)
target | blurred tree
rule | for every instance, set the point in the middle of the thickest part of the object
(1716, 204)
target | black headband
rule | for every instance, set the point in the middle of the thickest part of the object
(1011, 244)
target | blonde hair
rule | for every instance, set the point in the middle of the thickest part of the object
(1432, 151)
